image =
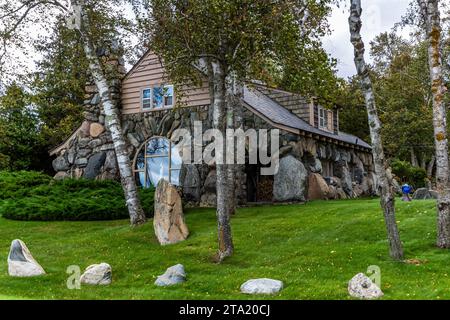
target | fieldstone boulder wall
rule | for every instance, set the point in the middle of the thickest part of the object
(168, 221)
(262, 286)
(94, 165)
(318, 188)
(97, 274)
(290, 180)
(361, 287)
(191, 182)
(173, 275)
(21, 263)
(424, 194)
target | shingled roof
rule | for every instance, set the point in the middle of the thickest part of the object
(280, 117)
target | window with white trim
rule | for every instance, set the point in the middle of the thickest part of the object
(146, 98)
(323, 118)
(158, 97)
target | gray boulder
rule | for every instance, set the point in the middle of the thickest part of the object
(343, 173)
(21, 263)
(173, 275)
(190, 178)
(361, 287)
(94, 165)
(60, 164)
(97, 274)
(290, 180)
(262, 286)
(424, 194)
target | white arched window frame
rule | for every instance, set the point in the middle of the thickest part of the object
(157, 153)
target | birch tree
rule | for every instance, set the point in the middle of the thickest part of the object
(430, 13)
(387, 199)
(15, 16)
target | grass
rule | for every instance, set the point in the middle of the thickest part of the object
(313, 248)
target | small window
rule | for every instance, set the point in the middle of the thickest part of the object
(146, 99)
(168, 96)
(323, 118)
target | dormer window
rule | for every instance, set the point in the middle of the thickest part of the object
(323, 118)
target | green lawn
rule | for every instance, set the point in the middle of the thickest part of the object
(313, 248)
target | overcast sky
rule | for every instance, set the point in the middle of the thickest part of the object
(378, 16)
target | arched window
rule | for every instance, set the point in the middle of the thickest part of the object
(157, 159)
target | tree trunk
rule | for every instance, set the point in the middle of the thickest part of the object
(414, 161)
(112, 119)
(233, 105)
(387, 200)
(423, 161)
(430, 166)
(430, 12)
(224, 207)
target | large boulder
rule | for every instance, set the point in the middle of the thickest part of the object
(21, 263)
(361, 287)
(60, 163)
(317, 187)
(94, 165)
(190, 178)
(97, 274)
(290, 180)
(343, 173)
(262, 286)
(173, 275)
(96, 129)
(168, 221)
(424, 193)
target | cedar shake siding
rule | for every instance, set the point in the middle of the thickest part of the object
(295, 103)
(149, 72)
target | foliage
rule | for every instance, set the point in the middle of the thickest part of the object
(58, 85)
(252, 39)
(403, 94)
(21, 146)
(327, 242)
(415, 176)
(352, 111)
(36, 196)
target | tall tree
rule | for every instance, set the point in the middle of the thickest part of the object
(90, 19)
(431, 16)
(385, 179)
(20, 141)
(231, 42)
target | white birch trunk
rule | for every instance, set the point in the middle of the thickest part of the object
(224, 207)
(387, 199)
(430, 12)
(112, 119)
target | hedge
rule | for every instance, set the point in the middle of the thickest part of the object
(35, 196)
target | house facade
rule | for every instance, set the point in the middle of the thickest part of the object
(317, 160)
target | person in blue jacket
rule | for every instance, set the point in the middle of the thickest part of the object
(406, 190)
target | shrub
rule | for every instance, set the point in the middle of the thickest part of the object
(69, 199)
(19, 184)
(413, 175)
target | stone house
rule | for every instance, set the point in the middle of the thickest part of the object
(317, 160)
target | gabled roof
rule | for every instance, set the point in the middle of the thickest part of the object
(280, 117)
